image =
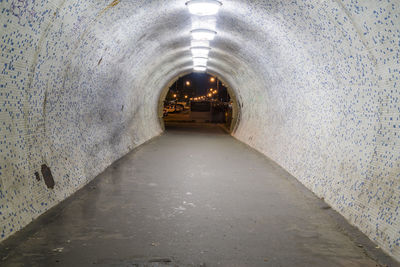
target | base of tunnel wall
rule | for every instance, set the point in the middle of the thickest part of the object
(372, 252)
(50, 204)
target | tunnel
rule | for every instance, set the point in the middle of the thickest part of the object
(316, 84)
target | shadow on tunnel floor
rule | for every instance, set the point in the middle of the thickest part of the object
(196, 127)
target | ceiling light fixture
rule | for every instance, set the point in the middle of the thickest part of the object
(199, 43)
(203, 34)
(199, 68)
(200, 61)
(200, 51)
(203, 7)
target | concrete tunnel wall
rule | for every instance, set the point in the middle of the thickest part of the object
(317, 83)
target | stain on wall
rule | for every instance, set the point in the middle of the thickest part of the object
(47, 176)
(112, 4)
(37, 176)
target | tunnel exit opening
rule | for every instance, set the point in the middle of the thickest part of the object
(198, 98)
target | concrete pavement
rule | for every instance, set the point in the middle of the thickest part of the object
(192, 197)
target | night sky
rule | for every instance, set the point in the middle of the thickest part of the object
(202, 82)
(200, 85)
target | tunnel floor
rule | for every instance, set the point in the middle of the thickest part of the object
(190, 197)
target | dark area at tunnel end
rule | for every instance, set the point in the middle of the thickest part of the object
(196, 127)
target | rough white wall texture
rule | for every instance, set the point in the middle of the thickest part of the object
(328, 110)
(317, 81)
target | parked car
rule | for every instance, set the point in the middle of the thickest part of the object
(170, 108)
(174, 108)
(179, 108)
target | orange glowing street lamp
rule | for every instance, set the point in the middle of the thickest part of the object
(175, 95)
(186, 96)
(209, 95)
(212, 79)
(188, 83)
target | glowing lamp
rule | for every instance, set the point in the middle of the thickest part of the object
(203, 34)
(203, 7)
(200, 51)
(200, 43)
(199, 68)
(200, 61)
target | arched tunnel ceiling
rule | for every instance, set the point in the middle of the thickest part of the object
(317, 82)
